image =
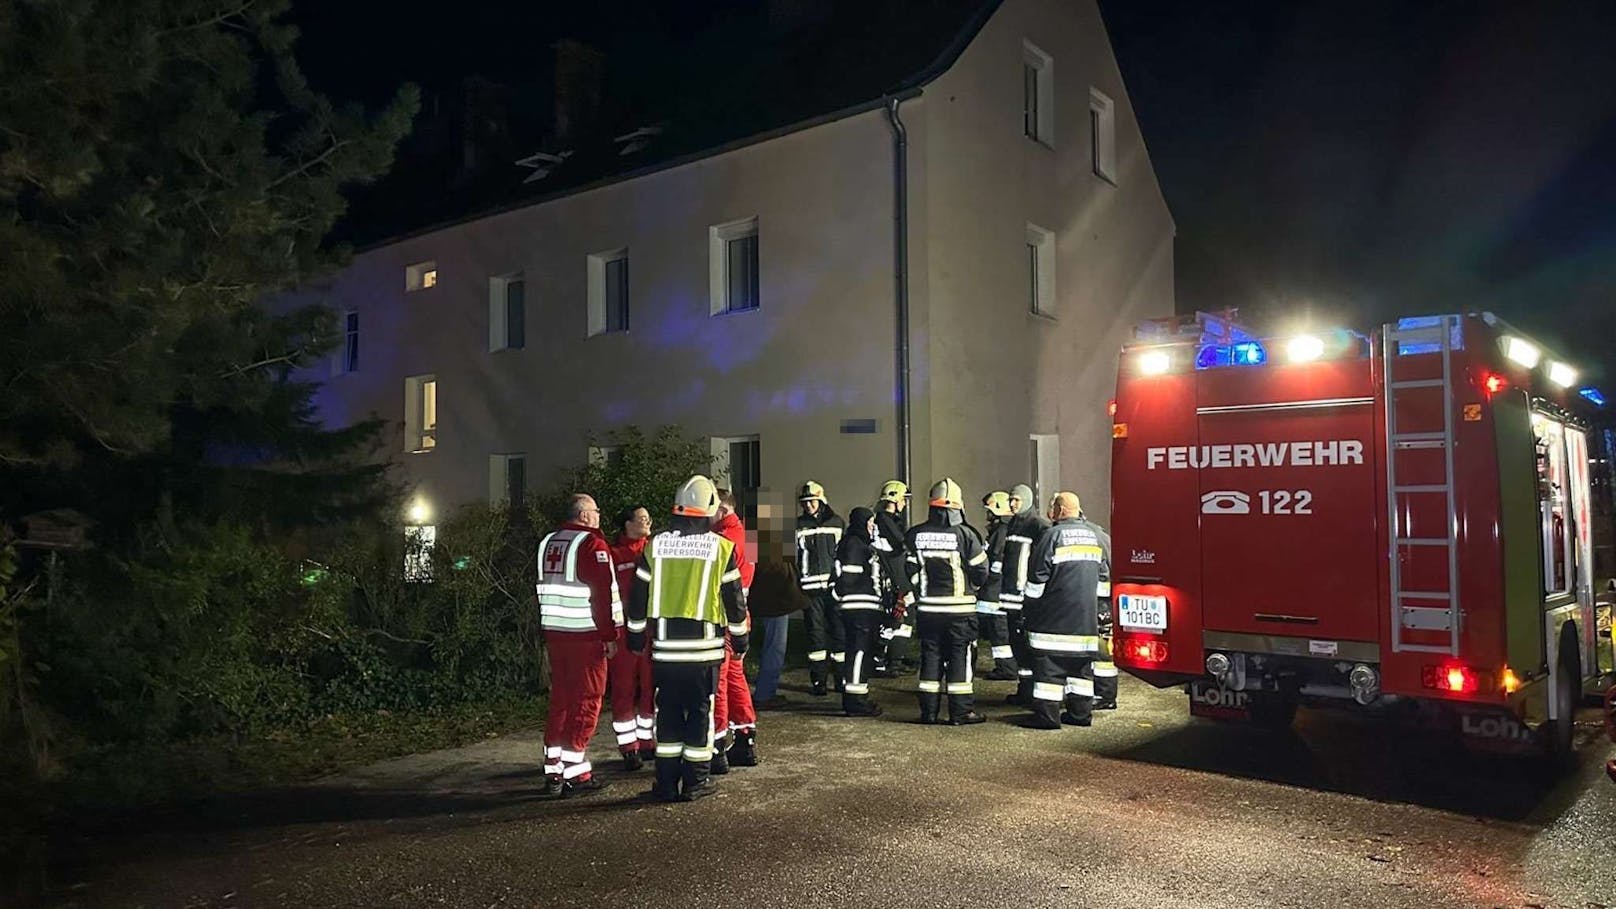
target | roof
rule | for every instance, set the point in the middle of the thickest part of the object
(739, 83)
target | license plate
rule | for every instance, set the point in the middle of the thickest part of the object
(1147, 613)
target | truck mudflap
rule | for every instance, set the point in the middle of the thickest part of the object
(1214, 702)
(1498, 731)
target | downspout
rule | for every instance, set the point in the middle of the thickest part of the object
(900, 276)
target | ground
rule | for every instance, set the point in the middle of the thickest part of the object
(1148, 808)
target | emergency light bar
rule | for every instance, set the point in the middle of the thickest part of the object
(1593, 396)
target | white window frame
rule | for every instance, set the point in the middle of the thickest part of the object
(597, 290)
(499, 319)
(1044, 64)
(599, 455)
(718, 240)
(420, 276)
(499, 477)
(420, 413)
(1041, 278)
(341, 365)
(1045, 450)
(1103, 136)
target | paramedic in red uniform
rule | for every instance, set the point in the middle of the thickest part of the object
(629, 676)
(580, 614)
(734, 720)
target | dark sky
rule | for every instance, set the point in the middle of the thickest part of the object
(1352, 161)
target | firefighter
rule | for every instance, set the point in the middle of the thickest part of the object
(1025, 527)
(1105, 669)
(1061, 615)
(891, 527)
(688, 593)
(734, 720)
(860, 589)
(579, 613)
(995, 627)
(629, 673)
(946, 565)
(819, 529)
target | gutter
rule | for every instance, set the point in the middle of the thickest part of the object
(900, 277)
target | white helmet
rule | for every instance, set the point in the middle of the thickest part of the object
(697, 498)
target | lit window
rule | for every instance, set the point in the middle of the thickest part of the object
(507, 480)
(420, 413)
(1102, 136)
(1040, 254)
(608, 292)
(507, 312)
(733, 257)
(1037, 95)
(420, 276)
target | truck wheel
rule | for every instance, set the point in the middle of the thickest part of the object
(1567, 692)
(1274, 710)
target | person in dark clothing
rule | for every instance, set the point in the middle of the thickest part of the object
(1061, 615)
(860, 589)
(891, 527)
(819, 530)
(994, 627)
(946, 565)
(1024, 530)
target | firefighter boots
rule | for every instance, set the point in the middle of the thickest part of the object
(744, 753)
(698, 782)
(859, 705)
(720, 764)
(666, 787)
(632, 760)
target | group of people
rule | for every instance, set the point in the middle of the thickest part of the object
(664, 619)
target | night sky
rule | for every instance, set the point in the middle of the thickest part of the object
(1340, 162)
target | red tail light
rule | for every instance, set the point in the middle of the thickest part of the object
(1146, 651)
(1451, 677)
(1494, 383)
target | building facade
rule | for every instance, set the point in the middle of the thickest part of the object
(748, 294)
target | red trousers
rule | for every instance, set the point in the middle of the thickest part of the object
(577, 683)
(732, 702)
(633, 698)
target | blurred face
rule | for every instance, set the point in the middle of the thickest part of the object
(638, 526)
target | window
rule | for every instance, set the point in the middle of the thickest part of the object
(1037, 95)
(1102, 136)
(1040, 254)
(1554, 501)
(507, 480)
(1044, 467)
(736, 465)
(419, 541)
(420, 276)
(507, 312)
(607, 456)
(420, 413)
(608, 292)
(346, 359)
(733, 257)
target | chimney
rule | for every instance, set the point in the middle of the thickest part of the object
(579, 74)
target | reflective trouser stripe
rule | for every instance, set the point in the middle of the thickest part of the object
(1083, 688)
(574, 771)
(742, 727)
(644, 726)
(1046, 691)
(552, 760)
(669, 749)
(986, 608)
(903, 631)
(1103, 670)
(929, 686)
(856, 688)
(817, 656)
(837, 656)
(698, 755)
(1064, 643)
(959, 688)
(625, 731)
(948, 608)
(1003, 651)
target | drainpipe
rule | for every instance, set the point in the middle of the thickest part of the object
(900, 276)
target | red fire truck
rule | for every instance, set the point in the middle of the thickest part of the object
(1398, 523)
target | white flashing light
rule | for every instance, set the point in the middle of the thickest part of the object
(420, 512)
(1304, 348)
(1154, 362)
(1562, 374)
(1522, 351)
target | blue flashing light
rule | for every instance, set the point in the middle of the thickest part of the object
(1593, 396)
(1245, 353)
(1249, 353)
(1409, 323)
(1210, 356)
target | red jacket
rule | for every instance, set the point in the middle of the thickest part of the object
(626, 555)
(730, 528)
(595, 569)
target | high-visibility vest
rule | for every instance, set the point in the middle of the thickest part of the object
(687, 573)
(563, 599)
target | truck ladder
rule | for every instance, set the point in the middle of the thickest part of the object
(1423, 610)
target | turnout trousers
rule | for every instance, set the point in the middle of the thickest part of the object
(684, 724)
(946, 642)
(1021, 651)
(862, 631)
(822, 618)
(993, 627)
(577, 684)
(628, 679)
(1061, 678)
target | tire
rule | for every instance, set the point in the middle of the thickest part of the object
(1567, 695)
(1273, 710)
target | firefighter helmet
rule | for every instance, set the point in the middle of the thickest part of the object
(812, 492)
(998, 503)
(945, 493)
(895, 491)
(696, 498)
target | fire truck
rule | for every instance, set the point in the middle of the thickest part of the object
(1398, 523)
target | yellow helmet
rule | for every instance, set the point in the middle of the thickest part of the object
(998, 503)
(945, 493)
(894, 491)
(697, 498)
(812, 492)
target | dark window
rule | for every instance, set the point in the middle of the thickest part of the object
(742, 256)
(350, 345)
(516, 482)
(617, 294)
(744, 462)
(1029, 100)
(1032, 276)
(515, 314)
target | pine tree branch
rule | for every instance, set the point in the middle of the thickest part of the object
(305, 167)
